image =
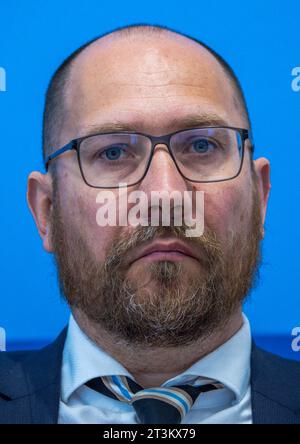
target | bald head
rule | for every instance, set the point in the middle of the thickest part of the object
(147, 76)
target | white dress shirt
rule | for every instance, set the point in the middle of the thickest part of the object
(84, 360)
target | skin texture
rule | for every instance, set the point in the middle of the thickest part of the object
(151, 83)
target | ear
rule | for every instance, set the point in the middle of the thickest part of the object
(39, 199)
(262, 168)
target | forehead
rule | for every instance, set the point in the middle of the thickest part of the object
(152, 81)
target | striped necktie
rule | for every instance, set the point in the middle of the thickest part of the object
(158, 405)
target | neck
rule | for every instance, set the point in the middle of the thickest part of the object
(152, 366)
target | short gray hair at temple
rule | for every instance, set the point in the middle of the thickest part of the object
(53, 116)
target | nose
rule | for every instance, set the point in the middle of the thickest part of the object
(164, 177)
(163, 174)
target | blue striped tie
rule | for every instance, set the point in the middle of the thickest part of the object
(158, 405)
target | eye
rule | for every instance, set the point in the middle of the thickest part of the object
(112, 153)
(202, 145)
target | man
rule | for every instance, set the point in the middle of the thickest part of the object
(157, 333)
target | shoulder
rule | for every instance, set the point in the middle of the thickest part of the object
(30, 384)
(275, 378)
(269, 363)
(11, 358)
(54, 349)
(26, 371)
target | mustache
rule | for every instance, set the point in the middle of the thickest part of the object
(116, 256)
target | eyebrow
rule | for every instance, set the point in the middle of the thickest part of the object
(184, 122)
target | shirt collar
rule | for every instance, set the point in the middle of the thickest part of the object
(84, 360)
(228, 364)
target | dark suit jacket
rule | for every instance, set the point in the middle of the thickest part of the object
(30, 386)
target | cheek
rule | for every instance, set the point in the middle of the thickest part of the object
(79, 210)
(99, 238)
(227, 209)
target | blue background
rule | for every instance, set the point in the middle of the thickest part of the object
(261, 41)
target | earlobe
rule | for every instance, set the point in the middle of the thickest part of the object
(39, 199)
(262, 168)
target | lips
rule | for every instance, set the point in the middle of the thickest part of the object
(165, 250)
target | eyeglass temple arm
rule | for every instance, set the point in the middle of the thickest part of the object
(247, 134)
(70, 146)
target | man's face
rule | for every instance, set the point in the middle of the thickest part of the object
(152, 85)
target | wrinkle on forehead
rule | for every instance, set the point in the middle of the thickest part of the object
(145, 73)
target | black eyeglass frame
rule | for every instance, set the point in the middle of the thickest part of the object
(74, 144)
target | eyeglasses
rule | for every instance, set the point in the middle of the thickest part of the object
(206, 154)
